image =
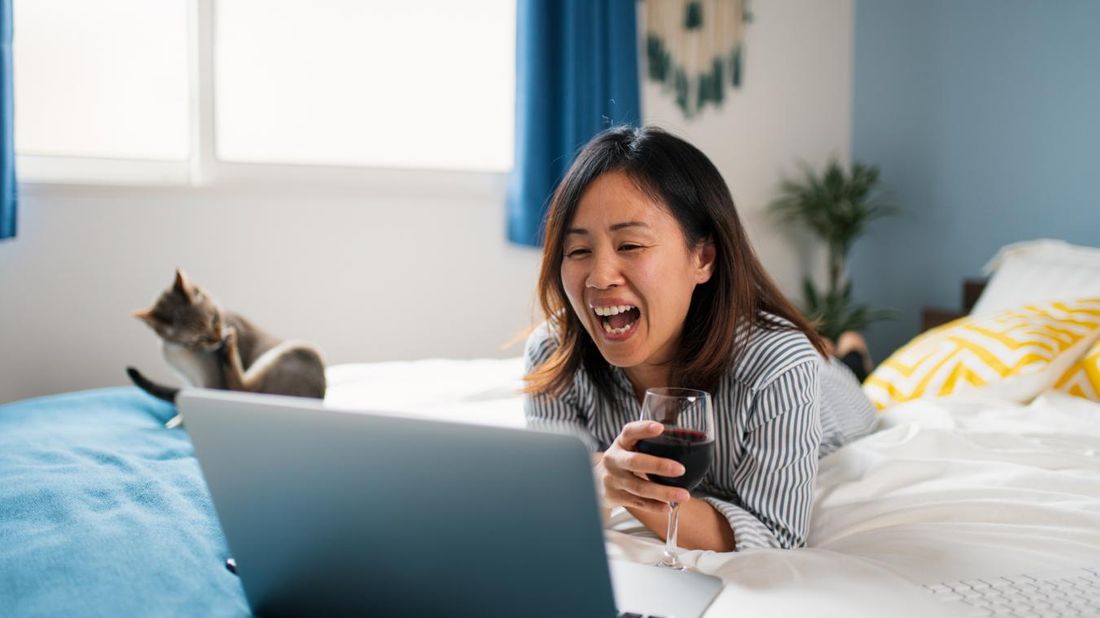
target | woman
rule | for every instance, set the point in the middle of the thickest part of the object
(648, 279)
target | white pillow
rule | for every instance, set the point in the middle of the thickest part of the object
(1038, 271)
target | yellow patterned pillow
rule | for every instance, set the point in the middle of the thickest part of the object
(1013, 354)
(1083, 378)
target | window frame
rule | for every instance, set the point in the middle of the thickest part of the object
(203, 170)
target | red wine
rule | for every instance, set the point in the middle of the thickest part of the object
(691, 448)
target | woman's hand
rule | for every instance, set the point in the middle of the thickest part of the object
(621, 472)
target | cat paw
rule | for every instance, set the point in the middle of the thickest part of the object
(228, 346)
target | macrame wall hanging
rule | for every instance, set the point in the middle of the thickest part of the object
(694, 48)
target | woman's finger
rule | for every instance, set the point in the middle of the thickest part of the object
(627, 499)
(654, 491)
(638, 430)
(640, 463)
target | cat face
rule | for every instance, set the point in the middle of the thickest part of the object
(186, 315)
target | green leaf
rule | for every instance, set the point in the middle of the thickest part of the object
(836, 205)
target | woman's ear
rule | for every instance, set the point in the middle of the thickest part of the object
(705, 254)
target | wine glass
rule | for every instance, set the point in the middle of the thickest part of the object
(688, 438)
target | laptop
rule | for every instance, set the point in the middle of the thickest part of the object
(336, 512)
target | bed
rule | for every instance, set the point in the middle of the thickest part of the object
(104, 512)
(943, 491)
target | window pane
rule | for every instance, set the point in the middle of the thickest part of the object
(101, 79)
(426, 84)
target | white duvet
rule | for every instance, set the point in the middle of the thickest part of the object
(946, 490)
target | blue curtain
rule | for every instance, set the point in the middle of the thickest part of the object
(576, 74)
(7, 139)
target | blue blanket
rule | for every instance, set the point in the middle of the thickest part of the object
(103, 512)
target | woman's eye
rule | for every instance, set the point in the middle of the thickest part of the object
(575, 253)
(629, 247)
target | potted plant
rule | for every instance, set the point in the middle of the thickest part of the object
(836, 207)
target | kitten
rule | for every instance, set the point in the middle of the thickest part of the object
(213, 348)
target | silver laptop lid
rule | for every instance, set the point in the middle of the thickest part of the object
(332, 512)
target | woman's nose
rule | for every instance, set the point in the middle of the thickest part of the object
(605, 272)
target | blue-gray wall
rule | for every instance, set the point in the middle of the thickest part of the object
(984, 117)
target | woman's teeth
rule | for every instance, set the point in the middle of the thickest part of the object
(612, 310)
(616, 331)
(617, 319)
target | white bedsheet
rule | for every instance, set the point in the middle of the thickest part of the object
(946, 490)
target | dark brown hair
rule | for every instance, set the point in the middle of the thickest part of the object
(679, 176)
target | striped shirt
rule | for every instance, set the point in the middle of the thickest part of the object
(777, 410)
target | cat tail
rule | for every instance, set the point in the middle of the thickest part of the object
(159, 391)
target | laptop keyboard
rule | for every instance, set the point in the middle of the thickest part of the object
(1073, 592)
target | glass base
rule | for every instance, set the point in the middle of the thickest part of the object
(671, 562)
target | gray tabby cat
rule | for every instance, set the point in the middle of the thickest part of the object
(210, 347)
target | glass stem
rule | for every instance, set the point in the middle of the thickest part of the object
(670, 538)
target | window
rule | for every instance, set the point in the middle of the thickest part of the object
(169, 87)
(80, 90)
(405, 84)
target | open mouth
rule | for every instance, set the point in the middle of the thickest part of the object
(617, 320)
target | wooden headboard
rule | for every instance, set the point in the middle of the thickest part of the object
(932, 317)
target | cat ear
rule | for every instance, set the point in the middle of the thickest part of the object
(146, 315)
(183, 285)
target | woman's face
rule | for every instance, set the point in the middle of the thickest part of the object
(628, 272)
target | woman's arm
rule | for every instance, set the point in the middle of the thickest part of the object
(621, 479)
(557, 413)
(701, 526)
(774, 480)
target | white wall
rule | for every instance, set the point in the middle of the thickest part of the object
(795, 103)
(379, 266)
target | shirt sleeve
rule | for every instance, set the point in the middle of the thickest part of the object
(846, 412)
(544, 412)
(774, 481)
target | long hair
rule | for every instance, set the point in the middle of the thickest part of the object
(724, 312)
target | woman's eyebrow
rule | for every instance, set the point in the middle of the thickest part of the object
(614, 228)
